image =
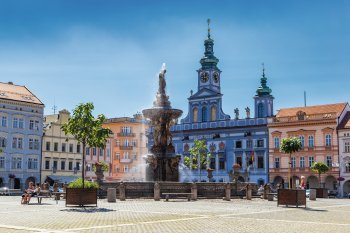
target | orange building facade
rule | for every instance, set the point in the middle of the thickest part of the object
(129, 145)
(316, 127)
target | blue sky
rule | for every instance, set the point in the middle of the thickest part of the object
(109, 52)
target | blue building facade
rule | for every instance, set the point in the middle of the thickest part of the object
(241, 140)
(21, 131)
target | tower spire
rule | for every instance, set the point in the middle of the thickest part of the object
(209, 60)
(263, 90)
(208, 21)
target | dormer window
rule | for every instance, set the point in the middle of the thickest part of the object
(301, 115)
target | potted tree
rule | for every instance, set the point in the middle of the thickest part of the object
(88, 131)
(200, 157)
(291, 196)
(76, 195)
(320, 168)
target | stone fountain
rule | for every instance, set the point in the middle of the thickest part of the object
(162, 163)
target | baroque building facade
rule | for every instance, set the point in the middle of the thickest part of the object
(344, 155)
(317, 129)
(128, 146)
(21, 116)
(242, 140)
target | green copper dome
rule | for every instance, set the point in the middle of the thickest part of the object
(263, 90)
(209, 60)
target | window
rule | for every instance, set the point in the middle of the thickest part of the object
(108, 153)
(15, 123)
(77, 166)
(311, 160)
(47, 164)
(20, 143)
(222, 164)
(302, 140)
(63, 165)
(14, 142)
(31, 144)
(293, 162)
(48, 146)
(126, 142)
(88, 167)
(70, 165)
(2, 142)
(134, 156)
(260, 110)
(260, 142)
(195, 114)
(311, 141)
(87, 151)
(78, 148)
(36, 144)
(238, 144)
(70, 148)
(213, 113)
(260, 162)
(277, 142)
(204, 114)
(32, 163)
(329, 161)
(277, 162)
(4, 121)
(31, 124)
(17, 143)
(101, 151)
(212, 163)
(328, 140)
(117, 142)
(134, 143)
(347, 147)
(126, 155)
(249, 144)
(63, 147)
(347, 167)
(126, 130)
(2, 162)
(117, 156)
(126, 168)
(55, 165)
(21, 123)
(239, 160)
(16, 163)
(55, 146)
(94, 151)
(302, 162)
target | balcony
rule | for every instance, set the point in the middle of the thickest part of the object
(125, 134)
(125, 160)
(125, 147)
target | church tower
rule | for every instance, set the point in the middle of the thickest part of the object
(263, 99)
(206, 104)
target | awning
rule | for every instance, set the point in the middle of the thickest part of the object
(63, 179)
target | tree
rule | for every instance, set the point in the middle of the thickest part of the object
(319, 167)
(87, 129)
(289, 146)
(199, 156)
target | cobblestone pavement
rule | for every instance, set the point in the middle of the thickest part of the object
(323, 215)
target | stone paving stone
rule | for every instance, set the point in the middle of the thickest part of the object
(142, 215)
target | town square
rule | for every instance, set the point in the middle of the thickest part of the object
(179, 116)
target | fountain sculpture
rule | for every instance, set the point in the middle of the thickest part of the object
(162, 164)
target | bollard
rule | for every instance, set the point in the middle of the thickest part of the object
(122, 191)
(111, 194)
(156, 191)
(267, 190)
(249, 192)
(194, 191)
(227, 192)
(312, 196)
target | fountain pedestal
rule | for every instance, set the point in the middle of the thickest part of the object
(163, 162)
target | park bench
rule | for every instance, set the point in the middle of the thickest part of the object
(168, 195)
(43, 194)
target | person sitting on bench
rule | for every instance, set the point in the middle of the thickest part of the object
(27, 193)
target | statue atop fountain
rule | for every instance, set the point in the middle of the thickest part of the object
(162, 163)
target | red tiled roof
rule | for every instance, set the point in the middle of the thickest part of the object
(11, 91)
(310, 110)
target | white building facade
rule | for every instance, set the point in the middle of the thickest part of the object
(344, 156)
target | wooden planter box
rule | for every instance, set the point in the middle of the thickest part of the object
(321, 193)
(293, 197)
(81, 197)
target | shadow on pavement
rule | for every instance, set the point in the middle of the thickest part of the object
(88, 210)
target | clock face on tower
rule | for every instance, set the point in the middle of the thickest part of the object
(216, 77)
(204, 77)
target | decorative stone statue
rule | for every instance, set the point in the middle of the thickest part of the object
(247, 110)
(236, 111)
(162, 82)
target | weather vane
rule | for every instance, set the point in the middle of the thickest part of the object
(208, 21)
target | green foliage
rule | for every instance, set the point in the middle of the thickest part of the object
(290, 145)
(78, 183)
(104, 166)
(87, 129)
(198, 152)
(319, 168)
